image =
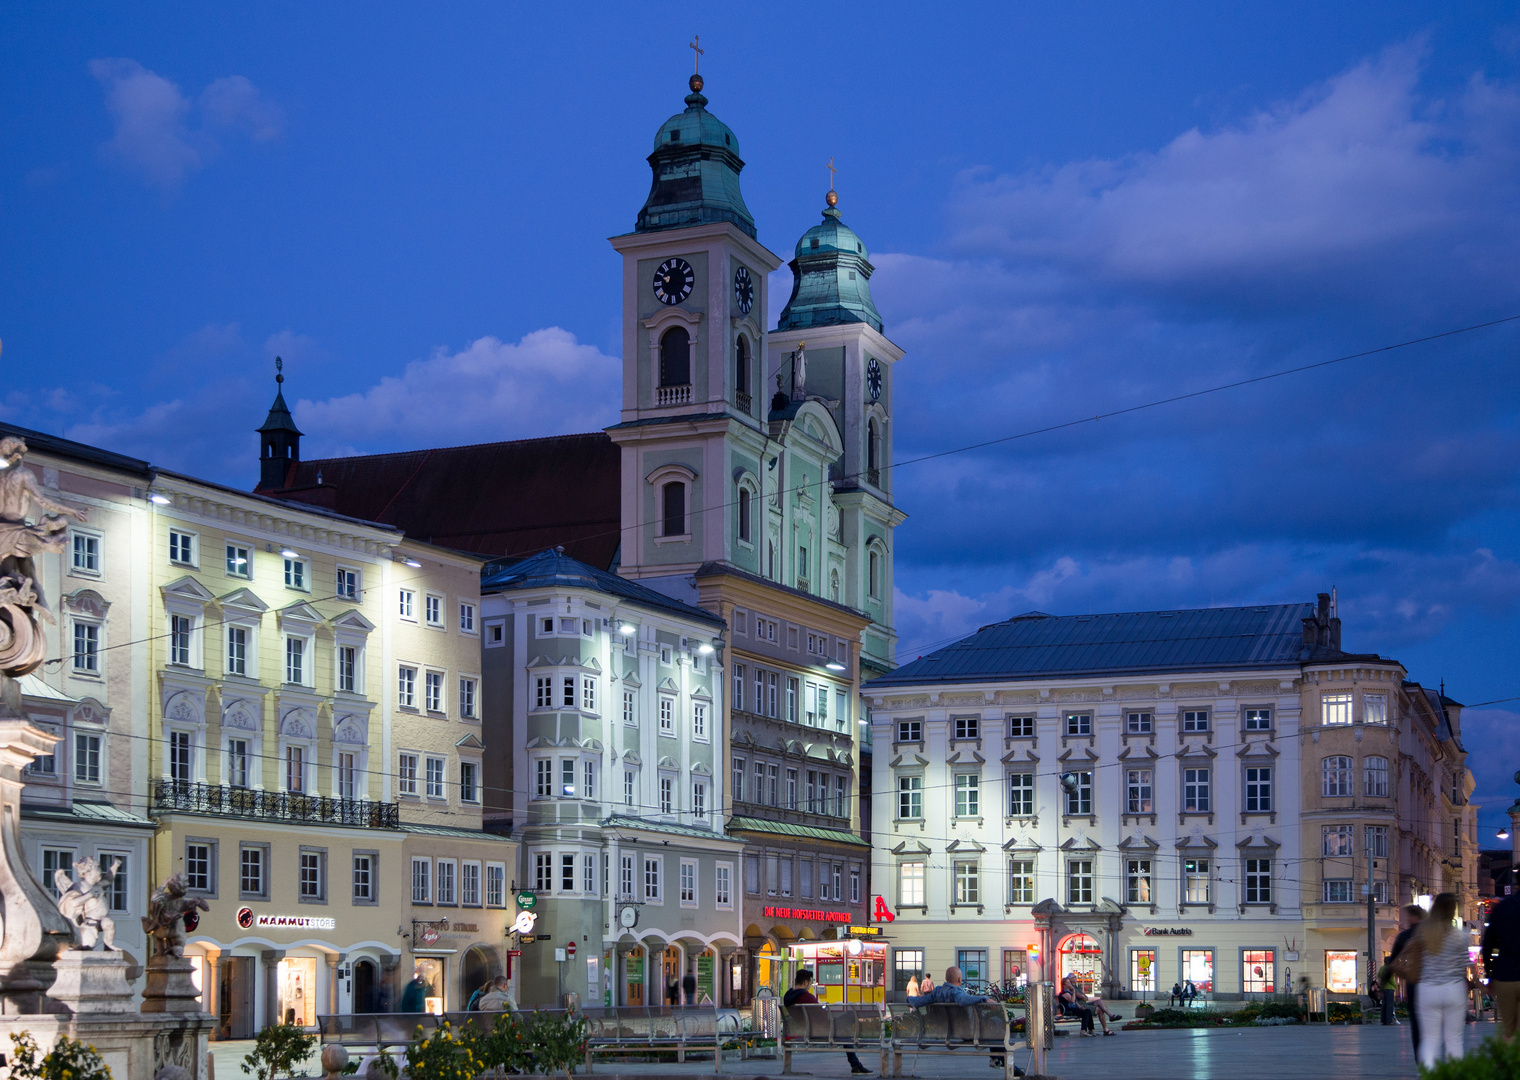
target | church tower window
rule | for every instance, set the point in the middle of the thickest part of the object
(875, 575)
(674, 498)
(873, 452)
(742, 397)
(675, 357)
(746, 515)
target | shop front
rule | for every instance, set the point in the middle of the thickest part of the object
(848, 972)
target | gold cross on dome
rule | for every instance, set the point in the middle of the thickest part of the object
(697, 52)
(832, 171)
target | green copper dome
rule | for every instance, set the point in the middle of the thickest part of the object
(831, 277)
(696, 167)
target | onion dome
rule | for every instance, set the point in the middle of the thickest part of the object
(831, 277)
(696, 167)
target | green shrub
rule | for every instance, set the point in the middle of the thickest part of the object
(1281, 1009)
(447, 1054)
(277, 1050)
(67, 1060)
(558, 1041)
(506, 1045)
(1347, 1011)
(1496, 1059)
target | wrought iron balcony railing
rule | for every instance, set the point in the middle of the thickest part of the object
(743, 402)
(222, 800)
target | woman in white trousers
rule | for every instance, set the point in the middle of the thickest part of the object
(1442, 1000)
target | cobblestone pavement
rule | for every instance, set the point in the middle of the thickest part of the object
(1367, 1052)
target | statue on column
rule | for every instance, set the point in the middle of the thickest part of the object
(85, 901)
(21, 600)
(170, 913)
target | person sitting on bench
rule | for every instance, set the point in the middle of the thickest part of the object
(1070, 1006)
(1078, 997)
(801, 993)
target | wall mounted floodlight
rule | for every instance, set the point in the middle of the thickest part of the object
(835, 665)
(1069, 782)
(628, 629)
(705, 648)
(289, 554)
(413, 563)
(158, 498)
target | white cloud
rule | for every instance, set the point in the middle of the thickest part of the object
(546, 384)
(153, 136)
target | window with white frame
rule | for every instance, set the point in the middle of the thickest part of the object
(667, 795)
(466, 618)
(200, 874)
(496, 885)
(1194, 720)
(1337, 891)
(736, 785)
(625, 876)
(53, 860)
(181, 547)
(1258, 719)
(968, 795)
(543, 692)
(405, 601)
(253, 871)
(86, 758)
(469, 782)
(1335, 841)
(1259, 789)
(543, 872)
(364, 877)
(84, 553)
(1140, 787)
(181, 627)
(1138, 881)
(435, 778)
(406, 774)
(968, 883)
(238, 760)
(348, 669)
(699, 720)
(86, 648)
(1020, 880)
(1138, 723)
(1375, 774)
(588, 693)
(1079, 801)
(652, 892)
(910, 731)
(295, 768)
(723, 886)
(1335, 775)
(181, 747)
(406, 686)
(422, 880)
(688, 883)
(567, 777)
(347, 587)
(567, 700)
(1021, 727)
(295, 574)
(910, 884)
(588, 775)
(1195, 881)
(910, 797)
(433, 690)
(237, 650)
(630, 708)
(1021, 794)
(841, 797)
(1374, 708)
(1078, 723)
(432, 608)
(588, 874)
(1335, 709)
(793, 793)
(1258, 881)
(699, 798)
(312, 869)
(295, 661)
(630, 786)
(1079, 881)
(667, 715)
(347, 769)
(1376, 840)
(1196, 796)
(496, 634)
(448, 881)
(968, 727)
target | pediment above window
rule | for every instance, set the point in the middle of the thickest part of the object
(470, 742)
(1072, 756)
(668, 762)
(244, 601)
(964, 845)
(1020, 755)
(1022, 843)
(1138, 843)
(911, 847)
(908, 760)
(701, 768)
(299, 723)
(185, 707)
(300, 614)
(1144, 752)
(91, 711)
(87, 602)
(1252, 843)
(673, 470)
(1258, 750)
(1197, 842)
(352, 620)
(1196, 752)
(965, 757)
(631, 681)
(701, 694)
(350, 729)
(1081, 843)
(632, 757)
(187, 588)
(241, 714)
(668, 686)
(594, 745)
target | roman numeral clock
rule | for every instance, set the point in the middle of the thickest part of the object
(673, 281)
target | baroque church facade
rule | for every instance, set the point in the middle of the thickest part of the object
(749, 475)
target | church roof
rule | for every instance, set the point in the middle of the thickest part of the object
(831, 277)
(1037, 645)
(696, 167)
(496, 499)
(279, 418)
(555, 569)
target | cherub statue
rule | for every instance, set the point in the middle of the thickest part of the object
(21, 598)
(84, 902)
(167, 909)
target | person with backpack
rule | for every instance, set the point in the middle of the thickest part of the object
(801, 993)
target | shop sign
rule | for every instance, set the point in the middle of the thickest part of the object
(524, 922)
(464, 927)
(883, 913)
(429, 933)
(248, 920)
(527, 899)
(809, 914)
(863, 931)
(1168, 931)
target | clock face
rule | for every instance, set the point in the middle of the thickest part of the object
(744, 290)
(673, 281)
(873, 378)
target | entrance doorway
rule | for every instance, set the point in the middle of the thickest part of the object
(298, 991)
(1082, 956)
(364, 987)
(235, 998)
(670, 969)
(476, 972)
(633, 975)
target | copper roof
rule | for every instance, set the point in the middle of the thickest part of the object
(510, 499)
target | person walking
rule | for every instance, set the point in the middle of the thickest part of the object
(801, 993)
(912, 988)
(1443, 981)
(1413, 914)
(689, 988)
(414, 997)
(926, 987)
(1501, 962)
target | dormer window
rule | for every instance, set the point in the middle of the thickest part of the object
(675, 134)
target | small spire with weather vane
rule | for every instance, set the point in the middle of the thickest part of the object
(279, 367)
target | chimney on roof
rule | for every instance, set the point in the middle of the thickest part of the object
(1323, 628)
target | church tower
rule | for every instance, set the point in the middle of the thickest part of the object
(279, 439)
(828, 347)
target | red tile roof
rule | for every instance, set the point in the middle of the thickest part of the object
(498, 499)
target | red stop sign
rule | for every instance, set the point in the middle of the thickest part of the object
(570, 950)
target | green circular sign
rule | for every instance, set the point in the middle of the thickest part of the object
(527, 899)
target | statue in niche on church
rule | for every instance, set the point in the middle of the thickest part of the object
(22, 647)
(86, 903)
(170, 914)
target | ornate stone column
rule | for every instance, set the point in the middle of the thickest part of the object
(211, 991)
(333, 960)
(271, 959)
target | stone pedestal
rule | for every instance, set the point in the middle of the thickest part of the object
(136, 1047)
(93, 983)
(170, 986)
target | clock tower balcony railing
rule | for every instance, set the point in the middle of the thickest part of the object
(224, 800)
(873, 476)
(674, 395)
(743, 402)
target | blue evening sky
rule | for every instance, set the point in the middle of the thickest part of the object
(1072, 208)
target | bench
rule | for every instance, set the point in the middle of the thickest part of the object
(893, 1030)
(645, 1030)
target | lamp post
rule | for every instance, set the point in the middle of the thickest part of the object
(1069, 785)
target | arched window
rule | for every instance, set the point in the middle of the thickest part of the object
(770, 560)
(674, 506)
(675, 357)
(746, 513)
(1335, 773)
(873, 444)
(834, 585)
(875, 575)
(1375, 770)
(741, 375)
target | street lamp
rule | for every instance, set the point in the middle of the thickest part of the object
(1503, 834)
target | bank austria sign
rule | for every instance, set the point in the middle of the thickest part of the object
(248, 921)
(1168, 931)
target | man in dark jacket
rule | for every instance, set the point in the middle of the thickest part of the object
(1501, 961)
(1413, 913)
(801, 993)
